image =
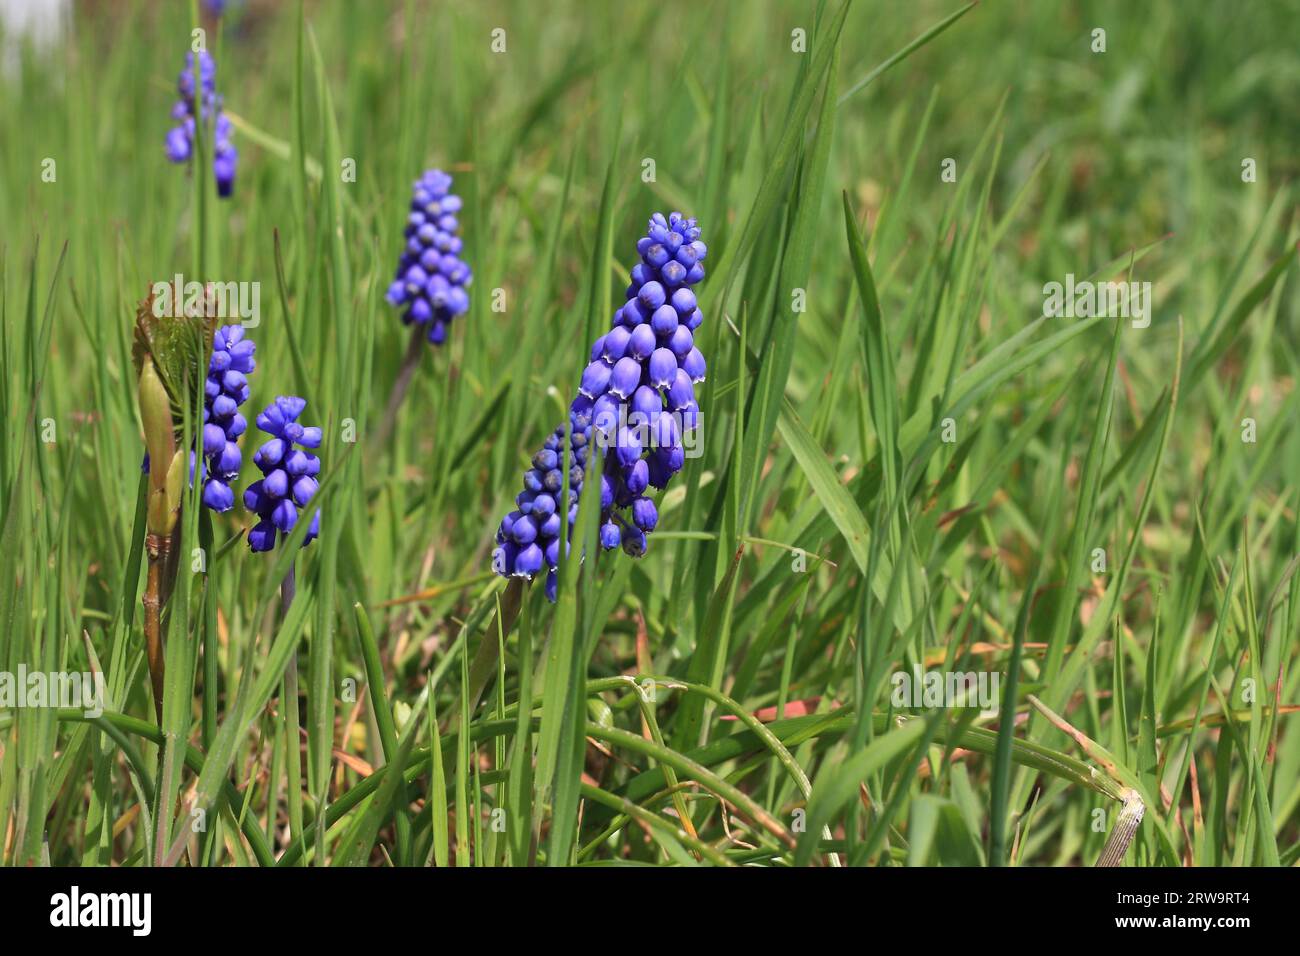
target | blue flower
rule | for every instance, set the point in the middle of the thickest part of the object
(636, 400)
(225, 389)
(288, 480)
(431, 279)
(180, 138)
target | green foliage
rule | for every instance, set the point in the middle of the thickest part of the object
(917, 472)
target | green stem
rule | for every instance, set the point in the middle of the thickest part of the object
(401, 384)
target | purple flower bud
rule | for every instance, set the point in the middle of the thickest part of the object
(664, 433)
(276, 483)
(261, 537)
(664, 320)
(270, 454)
(178, 145)
(304, 488)
(644, 514)
(298, 463)
(646, 402)
(659, 473)
(634, 542)
(609, 536)
(229, 460)
(223, 168)
(673, 458)
(684, 302)
(651, 295)
(529, 561)
(638, 477)
(420, 312)
(285, 515)
(674, 274)
(634, 313)
(217, 495)
(642, 342)
(524, 531)
(663, 367)
(614, 343)
(595, 379)
(625, 378)
(681, 392)
(681, 342)
(694, 365)
(214, 440)
(629, 447)
(604, 414)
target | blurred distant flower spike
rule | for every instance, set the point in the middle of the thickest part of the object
(180, 138)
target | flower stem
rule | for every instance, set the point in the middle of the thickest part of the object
(158, 547)
(288, 588)
(414, 350)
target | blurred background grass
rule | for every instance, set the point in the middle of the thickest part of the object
(1087, 156)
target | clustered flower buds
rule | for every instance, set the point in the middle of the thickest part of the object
(636, 400)
(431, 279)
(180, 139)
(289, 474)
(226, 389)
(530, 535)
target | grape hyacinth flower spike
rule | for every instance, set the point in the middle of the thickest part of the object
(529, 537)
(226, 388)
(431, 280)
(180, 139)
(636, 400)
(288, 480)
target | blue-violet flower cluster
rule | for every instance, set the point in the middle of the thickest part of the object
(180, 139)
(226, 389)
(431, 279)
(288, 479)
(636, 401)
